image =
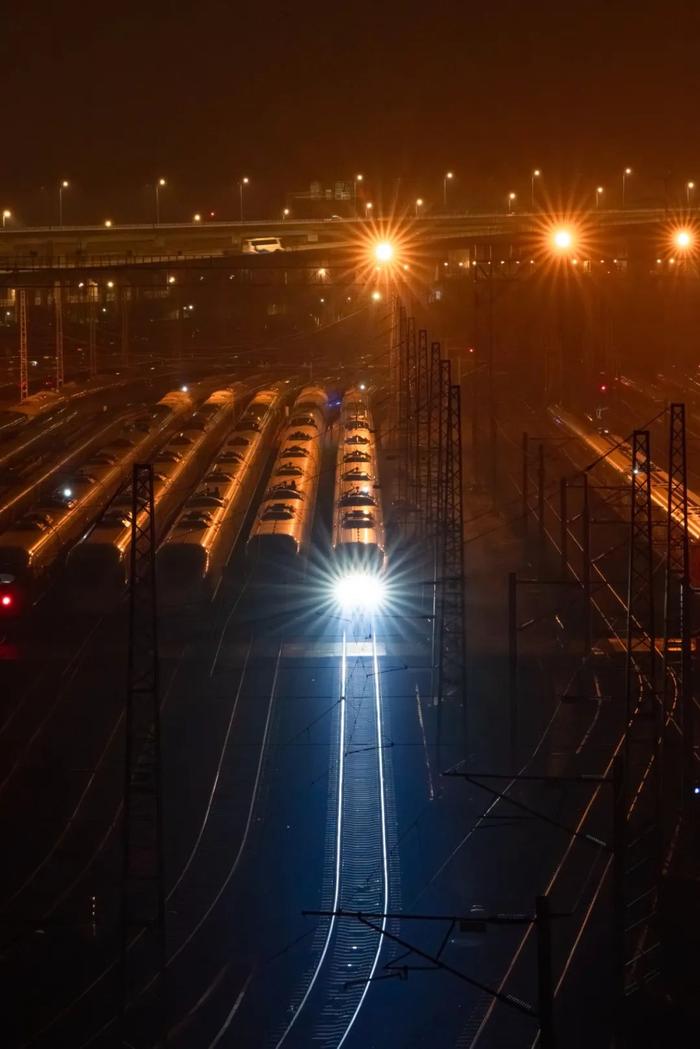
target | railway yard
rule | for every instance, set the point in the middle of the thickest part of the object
(338, 826)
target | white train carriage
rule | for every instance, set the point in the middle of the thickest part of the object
(193, 557)
(358, 520)
(98, 566)
(281, 533)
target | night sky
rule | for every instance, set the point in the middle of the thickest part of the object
(111, 96)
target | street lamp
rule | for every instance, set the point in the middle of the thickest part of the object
(598, 195)
(108, 223)
(419, 205)
(7, 214)
(535, 174)
(449, 175)
(689, 188)
(285, 213)
(384, 251)
(63, 184)
(243, 182)
(357, 178)
(625, 174)
(511, 200)
(368, 209)
(196, 217)
(562, 239)
(159, 185)
(683, 239)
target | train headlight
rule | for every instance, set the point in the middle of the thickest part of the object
(360, 591)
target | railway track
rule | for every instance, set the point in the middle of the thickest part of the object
(326, 1009)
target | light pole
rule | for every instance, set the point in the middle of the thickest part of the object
(63, 184)
(368, 209)
(449, 175)
(689, 192)
(419, 205)
(159, 185)
(357, 178)
(285, 214)
(511, 201)
(535, 174)
(197, 217)
(598, 195)
(7, 214)
(625, 174)
(243, 182)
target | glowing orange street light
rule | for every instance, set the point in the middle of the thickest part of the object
(368, 208)
(449, 175)
(384, 251)
(683, 239)
(689, 190)
(419, 205)
(376, 296)
(108, 223)
(625, 174)
(535, 174)
(158, 186)
(285, 213)
(562, 239)
(6, 214)
(243, 182)
(598, 194)
(511, 200)
(197, 217)
(357, 178)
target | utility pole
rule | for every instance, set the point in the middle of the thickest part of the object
(422, 431)
(23, 347)
(677, 603)
(124, 317)
(92, 329)
(143, 896)
(58, 315)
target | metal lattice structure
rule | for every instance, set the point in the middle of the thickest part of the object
(395, 374)
(452, 678)
(434, 409)
(92, 331)
(124, 317)
(643, 709)
(403, 413)
(143, 900)
(640, 669)
(23, 343)
(422, 432)
(677, 685)
(58, 319)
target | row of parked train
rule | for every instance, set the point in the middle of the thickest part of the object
(207, 464)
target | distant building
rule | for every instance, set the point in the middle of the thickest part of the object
(323, 200)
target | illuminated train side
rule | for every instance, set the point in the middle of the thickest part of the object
(40, 407)
(282, 530)
(32, 544)
(358, 520)
(194, 555)
(98, 566)
(618, 456)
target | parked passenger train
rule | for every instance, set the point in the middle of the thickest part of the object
(282, 528)
(193, 557)
(358, 520)
(98, 566)
(30, 547)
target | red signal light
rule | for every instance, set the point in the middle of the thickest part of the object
(603, 388)
(6, 600)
